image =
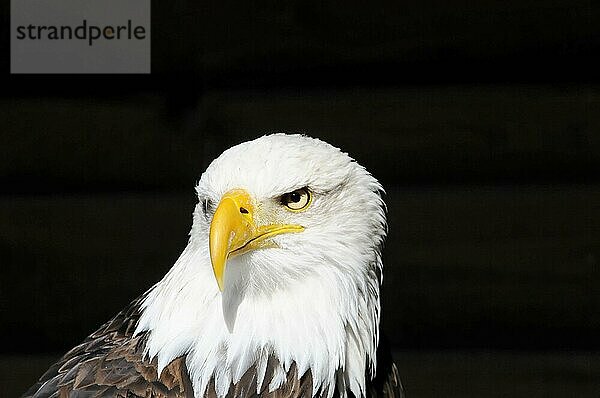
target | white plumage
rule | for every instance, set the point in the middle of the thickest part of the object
(311, 299)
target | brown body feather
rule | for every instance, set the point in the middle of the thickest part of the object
(111, 363)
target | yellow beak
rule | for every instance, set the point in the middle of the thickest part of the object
(233, 231)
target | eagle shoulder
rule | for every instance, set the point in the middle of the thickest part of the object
(111, 363)
(386, 383)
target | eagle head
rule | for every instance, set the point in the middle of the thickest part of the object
(283, 262)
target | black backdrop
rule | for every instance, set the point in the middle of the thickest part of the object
(482, 120)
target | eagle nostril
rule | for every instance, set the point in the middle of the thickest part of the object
(243, 210)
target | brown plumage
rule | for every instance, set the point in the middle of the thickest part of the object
(110, 363)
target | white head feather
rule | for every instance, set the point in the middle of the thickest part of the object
(312, 300)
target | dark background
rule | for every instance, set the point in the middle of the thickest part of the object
(481, 119)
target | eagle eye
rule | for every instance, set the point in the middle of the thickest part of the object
(297, 200)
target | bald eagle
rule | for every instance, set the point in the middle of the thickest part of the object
(277, 293)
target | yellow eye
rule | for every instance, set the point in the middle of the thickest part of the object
(297, 200)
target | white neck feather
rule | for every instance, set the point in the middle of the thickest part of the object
(324, 325)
